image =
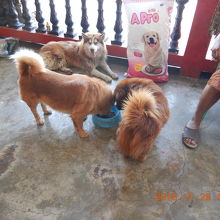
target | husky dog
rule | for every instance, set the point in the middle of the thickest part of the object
(86, 54)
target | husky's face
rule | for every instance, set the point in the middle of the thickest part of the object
(93, 43)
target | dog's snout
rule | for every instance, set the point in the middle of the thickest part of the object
(151, 40)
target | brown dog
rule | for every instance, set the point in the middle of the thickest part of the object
(145, 113)
(87, 54)
(77, 95)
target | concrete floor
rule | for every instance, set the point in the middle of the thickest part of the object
(49, 173)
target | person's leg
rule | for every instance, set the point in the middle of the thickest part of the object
(208, 98)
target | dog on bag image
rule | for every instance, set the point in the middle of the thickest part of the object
(77, 95)
(145, 112)
(86, 54)
(153, 53)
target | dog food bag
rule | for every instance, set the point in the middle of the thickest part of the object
(148, 38)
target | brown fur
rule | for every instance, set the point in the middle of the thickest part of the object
(87, 54)
(145, 113)
(77, 95)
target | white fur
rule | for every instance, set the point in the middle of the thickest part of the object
(94, 47)
(25, 54)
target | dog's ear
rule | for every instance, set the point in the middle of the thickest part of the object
(158, 40)
(143, 39)
(102, 36)
(84, 36)
(158, 37)
(120, 95)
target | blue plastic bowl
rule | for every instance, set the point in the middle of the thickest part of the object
(108, 122)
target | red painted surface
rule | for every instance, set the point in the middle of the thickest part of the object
(29, 36)
(191, 63)
(199, 39)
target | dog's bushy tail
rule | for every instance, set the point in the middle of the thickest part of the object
(140, 123)
(28, 62)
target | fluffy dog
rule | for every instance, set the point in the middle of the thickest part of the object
(153, 54)
(77, 95)
(87, 54)
(145, 113)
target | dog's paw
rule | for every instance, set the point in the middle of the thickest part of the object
(114, 75)
(107, 79)
(40, 122)
(66, 70)
(83, 134)
(48, 112)
(142, 157)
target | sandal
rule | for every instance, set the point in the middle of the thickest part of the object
(192, 134)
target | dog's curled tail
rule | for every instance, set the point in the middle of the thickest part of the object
(140, 123)
(28, 62)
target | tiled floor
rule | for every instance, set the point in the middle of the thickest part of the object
(49, 173)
